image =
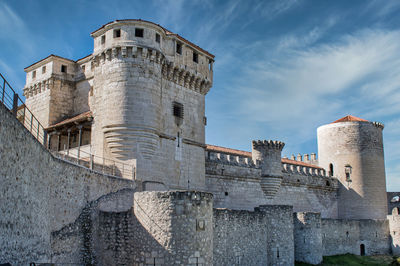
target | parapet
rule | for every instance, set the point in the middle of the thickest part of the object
(378, 125)
(268, 144)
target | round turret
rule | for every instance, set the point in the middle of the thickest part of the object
(351, 149)
(267, 156)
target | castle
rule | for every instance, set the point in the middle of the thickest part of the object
(139, 99)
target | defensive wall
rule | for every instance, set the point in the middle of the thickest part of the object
(230, 174)
(40, 196)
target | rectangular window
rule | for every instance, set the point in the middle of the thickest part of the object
(43, 69)
(139, 32)
(195, 57)
(157, 37)
(178, 48)
(34, 74)
(117, 33)
(178, 109)
(83, 68)
(103, 39)
(64, 68)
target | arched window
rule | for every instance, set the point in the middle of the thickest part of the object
(395, 211)
(330, 169)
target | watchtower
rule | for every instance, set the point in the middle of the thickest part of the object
(148, 101)
(351, 149)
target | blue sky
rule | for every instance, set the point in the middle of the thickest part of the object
(282, 67)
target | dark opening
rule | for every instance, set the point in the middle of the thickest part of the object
(362, 250)
(226, 193)
(117, 33)
(347, 234)
(139, 32)
(43, 69)
(195, 57)
(103, 39)
(210, 64)
(157, 37)
(328, 184)
(64, 68)
(330, 169)
(277, 253)
(34, 74)
(178, 109)
(178, 48)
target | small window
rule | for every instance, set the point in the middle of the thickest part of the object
(330, 169)
(103, 39)
(157, 37)
(195, 57)
(117, 33)
(328, 184)
(83, 68)
(64, 68)
(34, 74)
(210, 65)
(43, 69)
(178, 109)
(178, 48)
(226, 193)
(139, 32)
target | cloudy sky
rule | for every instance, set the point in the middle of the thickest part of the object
(282, 67)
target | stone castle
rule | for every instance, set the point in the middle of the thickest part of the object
(139, 99)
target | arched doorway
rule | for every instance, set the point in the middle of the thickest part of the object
(362, 250)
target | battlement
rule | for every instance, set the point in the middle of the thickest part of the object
(269, 144)
(243, 159)
(379, 125)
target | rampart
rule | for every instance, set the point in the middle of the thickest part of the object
(40, 195)
(260, 237)
(231, 174)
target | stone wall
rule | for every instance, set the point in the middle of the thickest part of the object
(260, 237)
(347, 236)
(307, 237)
(41, 195)
(235, 183)
(168, 228)
(394, 227)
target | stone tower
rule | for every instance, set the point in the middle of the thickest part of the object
(267, 155)
(351, 149)
(148, 102)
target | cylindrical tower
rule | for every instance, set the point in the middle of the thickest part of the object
(127, 82)
(177, 226)
(351, 149)
(266, 154)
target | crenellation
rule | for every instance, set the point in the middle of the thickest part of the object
(139, 98)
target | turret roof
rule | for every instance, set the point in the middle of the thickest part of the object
(350, 118)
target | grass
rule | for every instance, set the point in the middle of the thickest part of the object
(354, 260)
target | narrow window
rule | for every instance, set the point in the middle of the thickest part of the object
(328, 184)
(330, 169)
(157, 37)
(139, 32)
(34, 74)
(103, 39)
(117, 33)
(195, 57)
(210, 65)
(83, 68)
(178, 48)
(64, 68)
(178, 109)
(179, 140)
(43, 69)
(347, 234)
(226, 193)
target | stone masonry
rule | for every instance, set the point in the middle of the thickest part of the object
(139, 99)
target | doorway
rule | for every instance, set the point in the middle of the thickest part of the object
(362, 250)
